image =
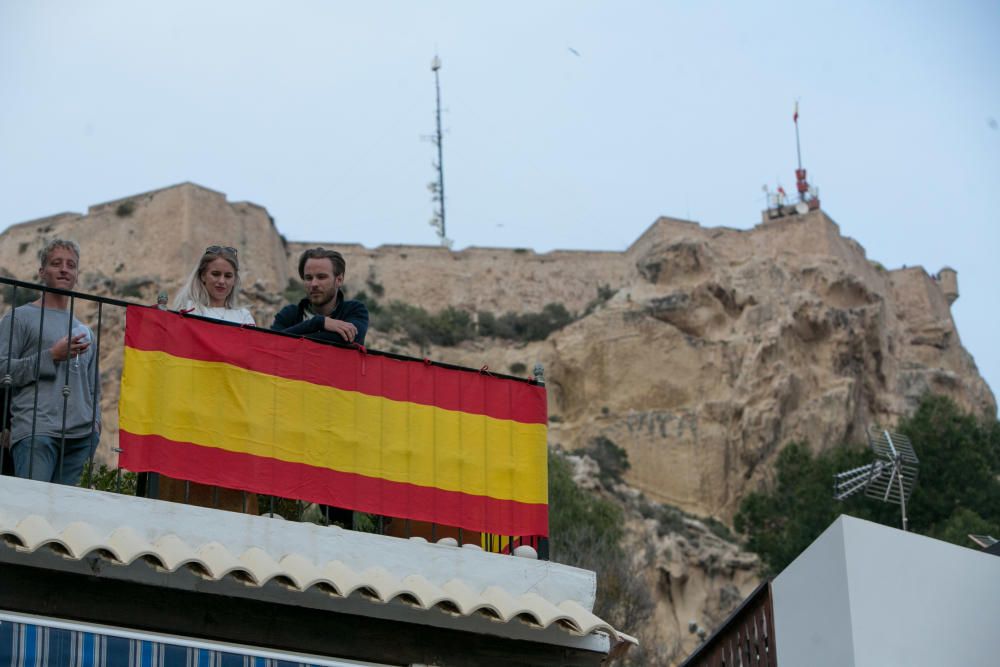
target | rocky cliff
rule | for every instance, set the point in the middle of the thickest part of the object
(700, 351)
(712, 348)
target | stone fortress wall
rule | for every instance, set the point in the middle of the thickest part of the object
(158, 235)
(161, 234)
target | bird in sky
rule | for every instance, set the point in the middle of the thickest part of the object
(573, 51)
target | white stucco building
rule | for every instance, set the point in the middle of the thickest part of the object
(866, 595)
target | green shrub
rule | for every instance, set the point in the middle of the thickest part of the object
(447, 327)
(586, 531)
(125, 209)
(612, 459)
(451, 325)
(286, 508)
(958, 491)
(294, 291)
(525, 327)
(487, 325)
(133, 288)
(517, 368)
(719, 529)
(575, 514)
(103, 478)
(604, 294)
(670, 520)
(371, 303)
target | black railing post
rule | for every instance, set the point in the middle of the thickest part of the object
(38, 372)
(8, 380)
(543, 548)
(543, 542)
(65, 388)
(94, 392)
(118, 472)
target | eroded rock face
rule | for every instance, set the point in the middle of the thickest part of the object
(697, 575)
(739, 342)
(721, 346)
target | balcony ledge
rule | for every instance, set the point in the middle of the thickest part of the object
(289, 563)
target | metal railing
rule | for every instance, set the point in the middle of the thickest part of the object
(14, 290)
(152, 485)
(744, 639)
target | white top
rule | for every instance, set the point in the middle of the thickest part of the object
(236, 315)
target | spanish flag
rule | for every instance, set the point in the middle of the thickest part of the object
(247, 409)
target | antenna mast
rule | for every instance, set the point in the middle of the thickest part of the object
(437, 189)
(808, 197)
(798, 146)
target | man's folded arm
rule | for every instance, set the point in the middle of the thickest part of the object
(357, 314)
(314, 327)
(284, 321)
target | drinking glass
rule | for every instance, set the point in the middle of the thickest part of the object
(78, 330)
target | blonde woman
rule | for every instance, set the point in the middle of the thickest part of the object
(211, 291)
(212, 288)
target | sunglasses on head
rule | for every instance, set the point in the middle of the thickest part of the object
(218, 249)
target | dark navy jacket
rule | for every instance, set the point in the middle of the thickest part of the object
(289, 319)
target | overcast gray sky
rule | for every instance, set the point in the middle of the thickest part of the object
(568, 124)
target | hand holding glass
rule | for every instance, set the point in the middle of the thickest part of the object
(79, 330)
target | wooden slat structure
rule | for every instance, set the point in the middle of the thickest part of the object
(745, 639)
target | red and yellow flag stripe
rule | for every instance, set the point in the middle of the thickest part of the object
(245, 409)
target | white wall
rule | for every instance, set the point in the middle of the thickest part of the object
(812, 615)
(910, 600)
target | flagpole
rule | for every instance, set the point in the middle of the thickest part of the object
(798, 148)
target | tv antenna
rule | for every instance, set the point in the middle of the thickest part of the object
(889, 478)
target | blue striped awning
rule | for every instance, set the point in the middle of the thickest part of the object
(38, 642)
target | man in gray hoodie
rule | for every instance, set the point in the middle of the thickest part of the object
(55, 426)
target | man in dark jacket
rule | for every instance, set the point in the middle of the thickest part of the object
(324, 314)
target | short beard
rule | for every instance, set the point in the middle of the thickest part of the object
(317, 305)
